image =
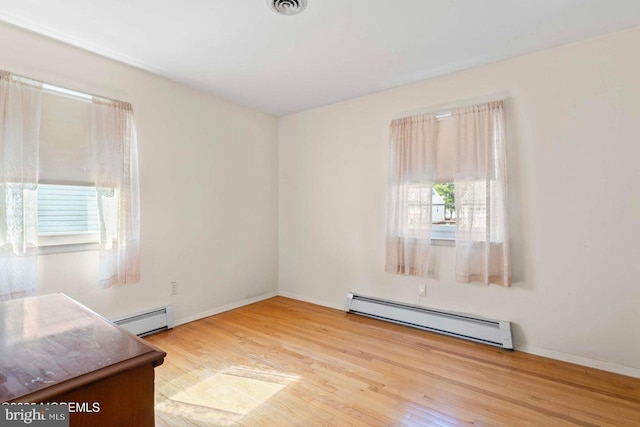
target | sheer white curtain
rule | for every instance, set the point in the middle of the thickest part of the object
(20, 107)
(482, 234)
(113, 140)
(412, 153)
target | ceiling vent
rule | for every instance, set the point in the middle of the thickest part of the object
(287, 7)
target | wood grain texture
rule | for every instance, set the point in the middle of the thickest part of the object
(125, 400)
(53, 349)
(50, 344)
(322, 366)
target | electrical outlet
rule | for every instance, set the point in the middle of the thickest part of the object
(422, 290)
(174, 288)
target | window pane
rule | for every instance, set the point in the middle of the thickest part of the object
(418, 216)
(435, 204)
(67, 209)
(444, 204)
(418, 207)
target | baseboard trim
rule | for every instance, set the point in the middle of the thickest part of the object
(550, 354)
(224, 308)
(582, 361)
(298, 297)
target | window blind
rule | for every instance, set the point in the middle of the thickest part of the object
(64, 209)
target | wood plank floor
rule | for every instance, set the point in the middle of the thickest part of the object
(284, 362)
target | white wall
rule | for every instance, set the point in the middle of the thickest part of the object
(573, 117)
(208, 179)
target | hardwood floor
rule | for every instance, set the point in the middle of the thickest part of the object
(284, 362)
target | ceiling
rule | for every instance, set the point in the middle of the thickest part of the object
(334, 50)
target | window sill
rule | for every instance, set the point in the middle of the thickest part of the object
(443, 242)
(63, 249)
(63, 243)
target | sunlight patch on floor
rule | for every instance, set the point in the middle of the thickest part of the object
(218, 398)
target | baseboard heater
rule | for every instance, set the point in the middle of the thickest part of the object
(148, 322)
(487, 331)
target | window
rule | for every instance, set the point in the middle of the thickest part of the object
(440, 202)
(419, 201)
(443, 215)
(55, 135)
(427, 154)
(67, 214)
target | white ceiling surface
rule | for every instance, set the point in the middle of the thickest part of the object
(334, 50)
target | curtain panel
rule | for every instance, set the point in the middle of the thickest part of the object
(20, 107)
(482, 232)
(115, 154)
(412, 152)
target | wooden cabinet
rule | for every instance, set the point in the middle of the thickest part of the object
(53, 349)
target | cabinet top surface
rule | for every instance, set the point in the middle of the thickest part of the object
(49, 339)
